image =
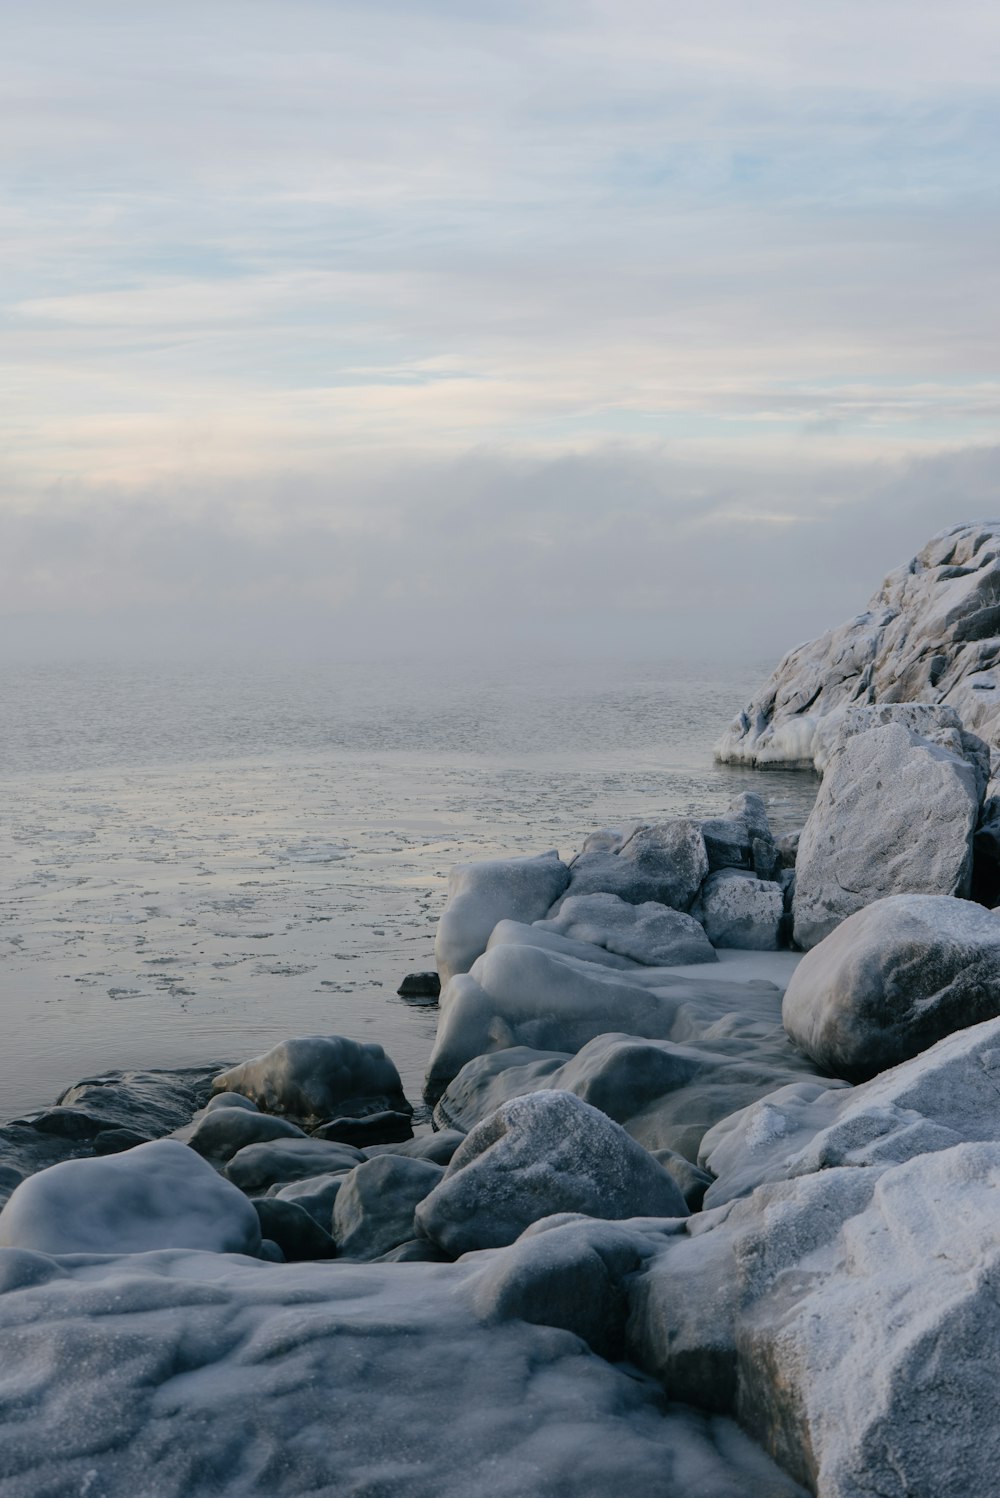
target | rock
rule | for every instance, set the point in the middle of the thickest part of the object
(893, 979)
(293, 1229)
(895, 815)
(258, 1166)
(692, 1180)
(788, 848)
(666, 1095)
(938, 725)
(438, 1148)
(521, 995)
(414, 1251)
(664, 863)
(218, 1135)
(742, 839)
(740, 910)
(543, 1153)
(373, 1212)
(317, 1077)
(314, 1194)
(388, 1127)
(420, 986)
(654, 935)
(194, 1376)
(540, 934)
(858, 1323)
(159, 1195)
(114, 1141)
(942, 1097)
(481, 894)
(931, 634)
(230, 1100)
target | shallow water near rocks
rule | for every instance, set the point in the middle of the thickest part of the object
(199, 861)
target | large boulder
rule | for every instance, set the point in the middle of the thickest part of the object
(481, 894)
(159, 1195)
(651, 934)
(893, 979)
(931, 634)
(314, 1078)
(373, 1212)
(850, 1318)
(739, 910)
(544, 1153)
(664, 862)
(895, 815)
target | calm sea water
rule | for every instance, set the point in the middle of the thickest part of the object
(198, 861)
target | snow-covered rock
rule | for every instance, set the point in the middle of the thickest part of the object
(931, 634)
(893, 979)
(317, 1077)
(481, 894)
(739, 910)
(895, 815)
(219, 1377)
(374, 1209)
(159, 1195)
(663, 862)
(651, 934)
(543, 1153)
(945, 1096)
(850, 1317)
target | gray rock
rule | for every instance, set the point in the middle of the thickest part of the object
(258, 1166)
(788, 848)
(293, 1229)
(664, 863)
(481, 894)
(930, 635)
(438, 1147)
(742, 839)
(895, 815)
(218, 1135)
(540, 934)
(373, 1212)
(651, 934)
(892, 980)
(314, 1194)
(692, 1180)
(387, 1127)
(317, 1077)
(420, 986)
(740, 910)
(543, 1153)
(230, 1100)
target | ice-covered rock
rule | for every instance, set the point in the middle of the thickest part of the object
(739, 910)
(893, 979)
(314, 1194)
(742, 839)
(481, 894)
(651, 934)
(664, 1094)
(946, 1095)
(850, 1318)
(663, 862)
(541, 934)
(895, 815)
(258, 1166)
(159, 1195)
(373, 1212)
(931, 634)
(438, 1147)
(293, 1228)
(543, 1153)
(219, 1377)
(218, 1134)
(314, 1078)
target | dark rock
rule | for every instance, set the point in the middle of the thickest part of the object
(387, 1127)
(297, 1234)
(373, 1212)
(420, 986)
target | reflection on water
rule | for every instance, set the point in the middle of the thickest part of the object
(199, 862)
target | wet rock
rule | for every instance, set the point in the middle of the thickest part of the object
(420, 986)
(388, 1127)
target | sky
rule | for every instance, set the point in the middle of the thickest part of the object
(605, 326)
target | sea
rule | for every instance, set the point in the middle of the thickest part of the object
(198, 860)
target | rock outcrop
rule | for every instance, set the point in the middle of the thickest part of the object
(931, 634)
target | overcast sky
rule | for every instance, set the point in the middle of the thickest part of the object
(616, 325)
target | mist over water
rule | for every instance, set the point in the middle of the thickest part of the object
(200, 860)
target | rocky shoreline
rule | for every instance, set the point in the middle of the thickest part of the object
(703, 1196)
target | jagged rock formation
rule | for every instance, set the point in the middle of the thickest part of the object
(931, 634)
